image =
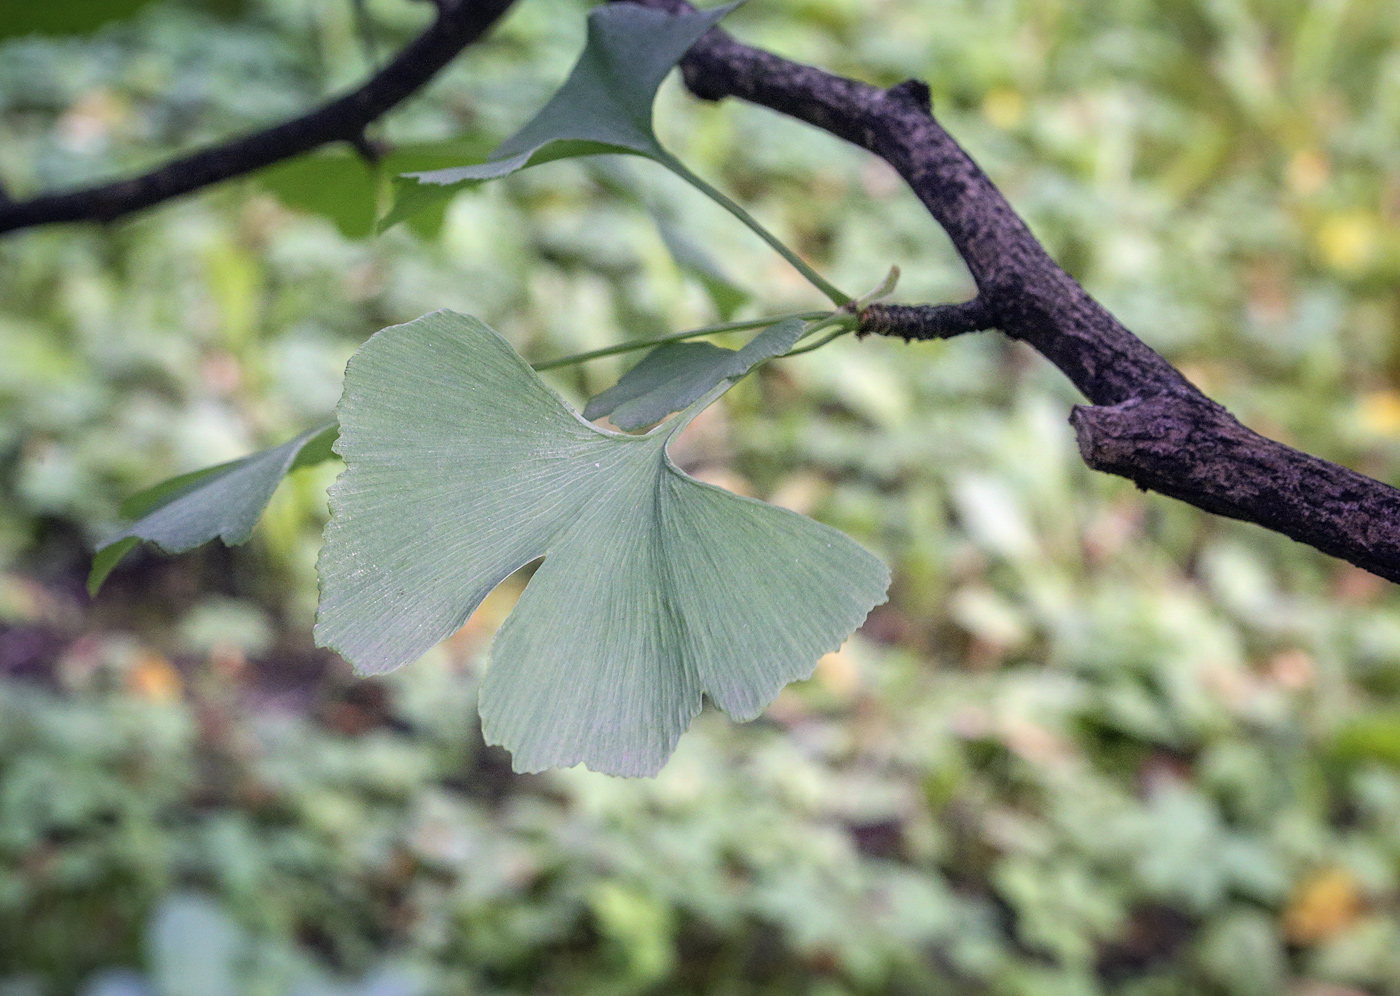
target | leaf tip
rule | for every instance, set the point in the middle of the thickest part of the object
(105, 560)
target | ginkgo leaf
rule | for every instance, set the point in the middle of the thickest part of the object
(221, 502)
(673, 376)
(462, 466)
(603, 107)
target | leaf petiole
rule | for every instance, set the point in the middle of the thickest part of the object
(816, 345)
(627, 347)
(848, 318)
(838, 297)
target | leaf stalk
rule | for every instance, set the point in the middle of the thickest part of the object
(838, 297)
(627, 347)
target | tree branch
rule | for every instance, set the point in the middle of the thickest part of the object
(925, 321)
(1146, 421)
(343, 119)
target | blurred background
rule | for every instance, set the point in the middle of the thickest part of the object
(1097, 742)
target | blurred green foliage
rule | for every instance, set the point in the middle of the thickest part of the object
(1098, 742)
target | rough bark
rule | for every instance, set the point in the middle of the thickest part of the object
(344, 119)
(1146, 421)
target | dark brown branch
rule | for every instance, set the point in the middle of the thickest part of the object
(925, 321)
(343, 119)
(1146, 422)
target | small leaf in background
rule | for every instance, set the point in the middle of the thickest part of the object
(1322, 905)
(335, 183)
(116, 982)
(1241, 952)
(462, 466)
(194, 948)
(603, 107)
(640, 927)
(64, 17)
(21, 18)
(340, 185)
(154, 678)
(1372, 736)
(221, 502)
(677, 374)
(692, 258)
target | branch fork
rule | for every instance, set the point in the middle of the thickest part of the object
(1145, 421)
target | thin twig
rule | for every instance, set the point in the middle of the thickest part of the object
(343, 119)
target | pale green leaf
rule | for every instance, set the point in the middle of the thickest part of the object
(603, 107)
(222, 502)
(673, 376)
(462, 466)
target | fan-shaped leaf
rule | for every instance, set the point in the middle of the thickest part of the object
(463, 466)
(603, 107)
(679, 373)
(222, 502)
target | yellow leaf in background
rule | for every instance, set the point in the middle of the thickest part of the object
(1379, 413)
(482, 624)
(24, 601)
(1004, 107)
(1323, 904)
(800, 492)
(93, 119)
(234, 278)
(1347, 241)
(153, 677)
(1308, 171)
(838, 673)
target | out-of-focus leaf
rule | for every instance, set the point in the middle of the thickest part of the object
(603, 107)
(689, 255)
(116, 982)
(339, 184)
(1372, 737)
(194, 948)
(1243, 953)
(20, 18)
(727, 296)
(63, 17)
(222, 502)
(463, 466)
(335, 183)
(1321, 906)
(679, 373)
